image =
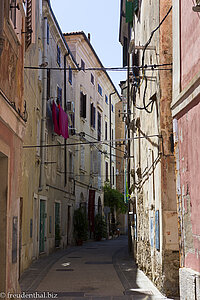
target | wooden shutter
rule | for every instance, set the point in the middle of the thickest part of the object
(81, 104)
(84, 106)
(91, 114)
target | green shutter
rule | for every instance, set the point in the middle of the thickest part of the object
(135, 5)
(129, 12)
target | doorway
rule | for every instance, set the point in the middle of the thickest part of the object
(3, 219)
(42, 225)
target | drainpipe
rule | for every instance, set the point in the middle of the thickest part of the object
(44, 102)
(110, 119)
(1, 25)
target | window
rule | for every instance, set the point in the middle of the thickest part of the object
(92, 78)
(99, 89)
(82, 105)
(106, 170)
(106, 130)
(13, 12)
(92, 115)
(70, 75)
(59, 95)
(112, 136)
(58, 55)
(48, 84)
(71, 165)
(82, 65)
(112, 107)
(47, 33)
(82, 165)
(106, 99)
(113, 175)
(99, 127)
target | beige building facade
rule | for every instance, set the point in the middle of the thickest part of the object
(95, 126)
(12, 129)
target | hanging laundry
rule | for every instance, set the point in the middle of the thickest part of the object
(63, 123)
(55, 116)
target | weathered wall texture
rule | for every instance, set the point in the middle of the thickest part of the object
(186, 110)
(12, 129)
(157, 223)
(189, 144)
(190, 40)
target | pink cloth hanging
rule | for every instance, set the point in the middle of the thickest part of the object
(55, 116)
(63, 123)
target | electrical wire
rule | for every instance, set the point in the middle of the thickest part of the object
(154, 66)
(144, 68)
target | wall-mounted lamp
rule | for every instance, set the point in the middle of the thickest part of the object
(197, 7)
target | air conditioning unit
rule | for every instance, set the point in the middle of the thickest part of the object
(70, 106)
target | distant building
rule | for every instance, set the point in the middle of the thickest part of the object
(95, 101)
(186, 122)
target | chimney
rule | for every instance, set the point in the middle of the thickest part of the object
(89, 37)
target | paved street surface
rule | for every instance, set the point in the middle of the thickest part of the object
(94, 271)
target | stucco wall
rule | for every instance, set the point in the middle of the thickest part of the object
(190, 40)
(189, 131)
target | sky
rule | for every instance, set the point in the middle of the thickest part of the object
(100, 19)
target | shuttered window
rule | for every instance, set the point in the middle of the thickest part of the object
(13, 7)
(82, 105)
(92, 115)
(58, 56)
(59, 95)
(99, 126)
(131, 7)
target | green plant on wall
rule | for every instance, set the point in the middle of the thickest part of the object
(80, 225)
(99, 227)
(114, 199)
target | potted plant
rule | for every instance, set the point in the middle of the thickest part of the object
(80, 226)
(99, 227)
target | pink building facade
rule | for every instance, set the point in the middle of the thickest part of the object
(186, 121)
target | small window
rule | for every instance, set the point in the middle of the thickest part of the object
(92, 115)
(59, 96)
(13, 13)
(82, 65)
(106, 170)
(70, 75)
(106, 99)
(106, 131)
(58, 55)
(48, 83)
(99, 89)
(47, 34)
(82, 105)
(92, 78)
(112, 108)
(99, 126)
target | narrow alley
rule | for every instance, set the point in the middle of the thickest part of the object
(96, 270)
